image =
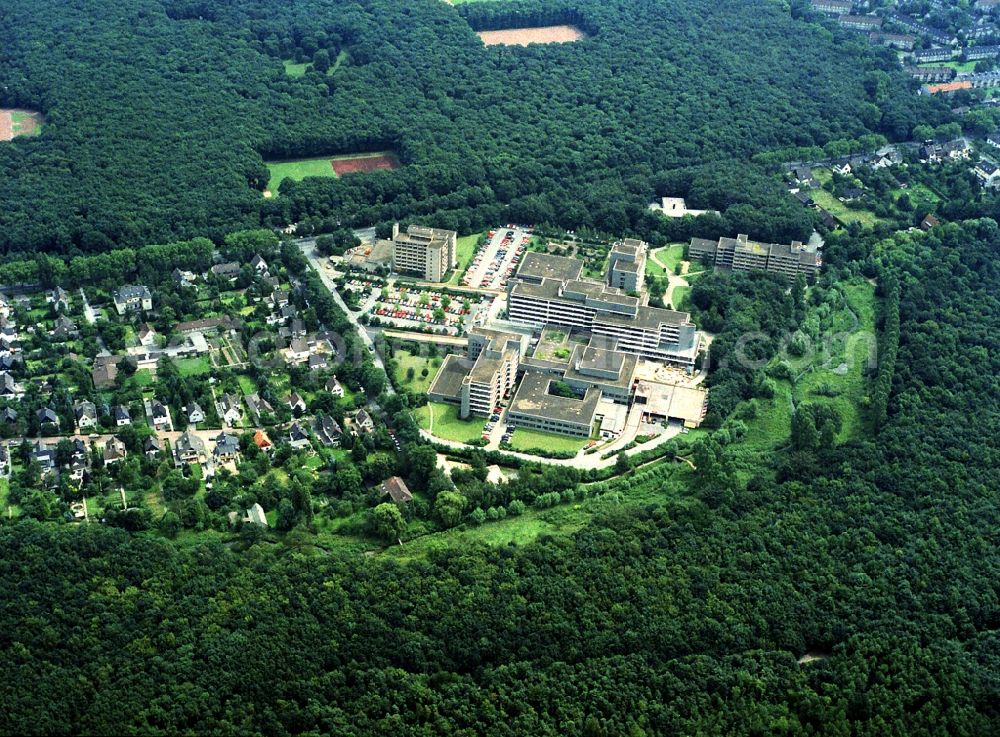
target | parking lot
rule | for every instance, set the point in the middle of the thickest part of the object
(406, 307)
(496, 261)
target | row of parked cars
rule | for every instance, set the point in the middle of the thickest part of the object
(499, 266)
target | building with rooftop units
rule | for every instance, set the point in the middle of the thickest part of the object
(627, 265)
(742, 254)
(534, 407)
(429, 253)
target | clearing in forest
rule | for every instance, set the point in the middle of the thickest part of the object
(538, 35)
(16, 122)
(328, 166)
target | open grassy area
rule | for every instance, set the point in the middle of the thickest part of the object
(524, 439)
(194, 366)
(679, 297)
(465, 249)
(670, 256)
(841, 382)
(405, 360)
(921, 196)
(295, 70)
(298, 170)
(840, 210)
(958, 66)
(443, 421)
(247, 384)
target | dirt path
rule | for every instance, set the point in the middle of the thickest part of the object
(6, 126)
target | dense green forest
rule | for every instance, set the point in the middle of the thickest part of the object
(159, 114)
(686, 615)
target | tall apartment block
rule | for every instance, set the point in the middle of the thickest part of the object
(427, 252)
(742, 254)
(627, 265)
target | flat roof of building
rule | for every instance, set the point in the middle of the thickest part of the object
(533, 399)
(485, 369)
(592, 358)
(451, 375)
(685, 403)
(546, 266)
(647, 317)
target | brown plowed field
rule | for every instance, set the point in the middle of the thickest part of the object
(364, 163)
(525, 36)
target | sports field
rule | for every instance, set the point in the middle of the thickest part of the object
(328, 166)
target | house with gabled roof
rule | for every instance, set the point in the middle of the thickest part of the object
(189, 448)
(85, 412)
(229, 410)
(396, 490)
(298, 437)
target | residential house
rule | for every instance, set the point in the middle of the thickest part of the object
(262, 441)
(255, 516)
(47, 417)
(258, 264)
(132, 298)
(988, 173)
(229, 270)
(10, 361)
(114, 451)
(298, 437)
(195, 414)
(58, 298)
(159, 414)
(229, 411)
(279, 298)
(227, 448)
(105, 371)
(64, 328)
(258, 407)
(396, 489)
(333, 386)
(363, 422)
(8, 415)
(4, 461)
(44, 455)
(147, 335)
(297, 351)
(121, 416)
(317, 362)
(189, 448)
(328, 431)
(929, 222)
(296, 403)
(86, 414)
(182, 279)
(8, 387)
(298, 328)
(151, 446)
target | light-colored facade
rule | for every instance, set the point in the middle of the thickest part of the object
(627, 265)
(608, 312)
(427, 252)
(742, 254)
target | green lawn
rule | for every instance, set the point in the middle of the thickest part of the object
(679, 296)
(295, 70)
(465, 249)
(921, 196)
(405, 360)
(25, 123)
(447, 424)
(193, 366)
(958, 66)
(143, 377)
(841, 211)
(524, 439)
(298, 169)
(247, 384)
(670, 255)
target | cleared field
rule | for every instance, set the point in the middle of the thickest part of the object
(355, 163)
(295, 70)
(443, 421)
(538, 35)
(465, 249)
(297, 170)
(841, 211)
(524, 439)
(15, 122)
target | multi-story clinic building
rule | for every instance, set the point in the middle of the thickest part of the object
(742, 254)
(548, 290)
(427, 252)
